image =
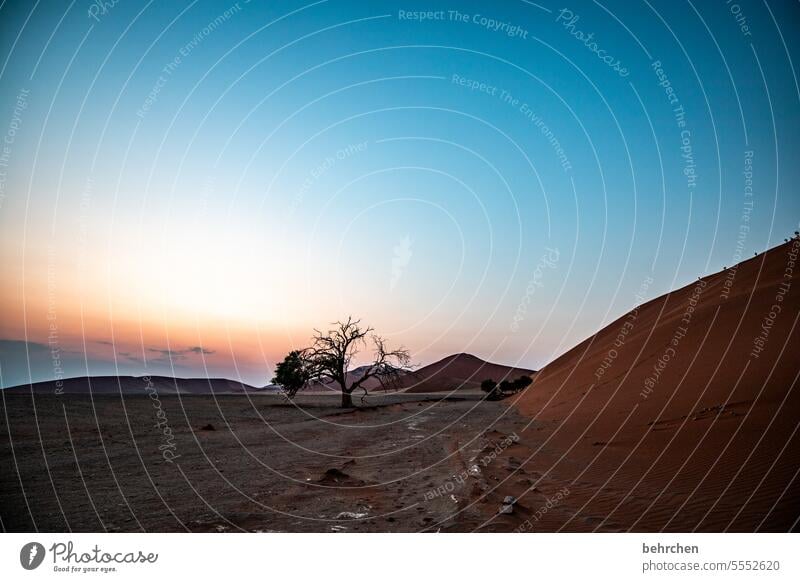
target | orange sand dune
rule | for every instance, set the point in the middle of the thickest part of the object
(684, 413)
(458, 372)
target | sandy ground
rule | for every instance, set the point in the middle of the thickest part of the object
(76, 464)
(400, 464)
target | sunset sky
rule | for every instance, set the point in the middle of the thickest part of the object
(189, 188)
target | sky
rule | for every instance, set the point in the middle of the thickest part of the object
(190, 188)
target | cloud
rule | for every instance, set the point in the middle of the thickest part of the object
(199, 350)
(18, 347)
(23, 362)
(22, 350)
(166, 353)
(180, 354)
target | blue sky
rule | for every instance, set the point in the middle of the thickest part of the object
(233, 175)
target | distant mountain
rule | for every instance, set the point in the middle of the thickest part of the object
(459, 372)
(138, 385)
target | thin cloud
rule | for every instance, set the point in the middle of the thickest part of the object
(180, 354)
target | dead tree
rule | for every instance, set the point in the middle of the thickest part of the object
(332, 353)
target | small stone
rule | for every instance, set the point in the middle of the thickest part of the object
(506, 509)
(509, 500)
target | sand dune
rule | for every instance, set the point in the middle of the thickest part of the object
(458, 372)
(683, 413)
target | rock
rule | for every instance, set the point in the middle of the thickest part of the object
(506, 509)
(334, 476)
(509, 500)
(350, 515)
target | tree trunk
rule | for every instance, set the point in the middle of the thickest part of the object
(347, 400)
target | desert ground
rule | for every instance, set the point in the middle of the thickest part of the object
(403, 464)
(682, 415)
(262, 464)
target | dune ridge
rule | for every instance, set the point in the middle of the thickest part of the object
(685, 409)
(459, 372)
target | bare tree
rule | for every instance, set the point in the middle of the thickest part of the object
(332, 353)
